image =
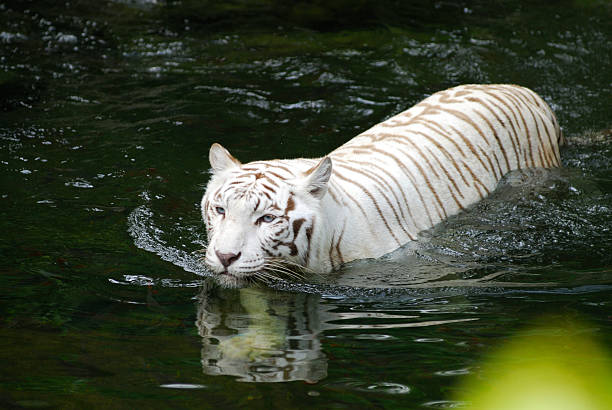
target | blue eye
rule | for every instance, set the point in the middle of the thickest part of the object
(267, 218)
(220, 210)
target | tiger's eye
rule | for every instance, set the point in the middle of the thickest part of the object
(220, 210)
(267, 218)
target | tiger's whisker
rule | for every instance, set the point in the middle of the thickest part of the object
(262, 278)
(282, 263)
(285, 271)
(279, 269)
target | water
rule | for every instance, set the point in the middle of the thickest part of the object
(106, 124)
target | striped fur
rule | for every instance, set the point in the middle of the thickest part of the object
(394, 180)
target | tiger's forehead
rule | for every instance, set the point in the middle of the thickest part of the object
(258, 184)
(261, 173)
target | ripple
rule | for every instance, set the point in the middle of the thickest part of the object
(80, 183)
(147, 235)
(400, 325)
(456, 372)
(445, 404)
(389, 388)
(429, 340)
(140, 280)
(374, 337)
(183, 386)
(9, 38)
(380, 387)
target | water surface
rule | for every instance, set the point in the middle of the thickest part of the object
(107, 118)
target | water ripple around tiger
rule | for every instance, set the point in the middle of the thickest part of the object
(534, 222)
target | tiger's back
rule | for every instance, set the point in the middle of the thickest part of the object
(425, 164)
(392, 181)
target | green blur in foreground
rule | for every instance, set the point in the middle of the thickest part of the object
(542, 369)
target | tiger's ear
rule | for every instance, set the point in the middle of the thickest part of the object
(220, 159)
(317, 177)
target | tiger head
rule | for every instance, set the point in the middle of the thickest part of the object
(261, 217)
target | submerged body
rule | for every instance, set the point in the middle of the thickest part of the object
(376, 192)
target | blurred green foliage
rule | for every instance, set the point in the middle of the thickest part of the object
(554, 366)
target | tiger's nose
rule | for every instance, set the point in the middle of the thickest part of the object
(227, 259)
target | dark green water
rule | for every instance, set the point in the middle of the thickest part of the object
(108, 114)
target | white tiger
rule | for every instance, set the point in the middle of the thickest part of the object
(394, 180)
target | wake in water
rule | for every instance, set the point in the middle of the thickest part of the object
(148, 236)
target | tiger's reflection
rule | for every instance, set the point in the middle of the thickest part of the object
(260, 335)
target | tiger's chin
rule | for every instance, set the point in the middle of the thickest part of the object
(228, 280)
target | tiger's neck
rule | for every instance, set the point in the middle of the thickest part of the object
(340, 232)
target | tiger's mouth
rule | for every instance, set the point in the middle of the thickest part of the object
(229, 280)
(272, 270)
